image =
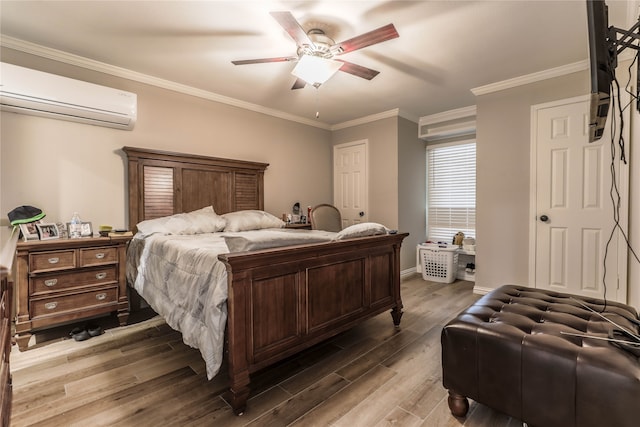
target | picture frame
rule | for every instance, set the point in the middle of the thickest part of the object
(48, 231)
(86, 230)
(29, 231)
(62, 229)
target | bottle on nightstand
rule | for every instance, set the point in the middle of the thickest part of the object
(75, 226)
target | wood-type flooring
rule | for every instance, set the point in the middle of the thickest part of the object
(143, 375)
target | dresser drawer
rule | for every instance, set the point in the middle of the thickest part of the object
(98, 256)
(77, 302)
(50, 261)
(47, 283)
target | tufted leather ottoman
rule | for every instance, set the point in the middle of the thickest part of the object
(506, 351)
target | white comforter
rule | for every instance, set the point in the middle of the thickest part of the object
(183, 281)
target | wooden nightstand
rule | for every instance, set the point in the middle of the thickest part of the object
(299, 226)
(64, 280)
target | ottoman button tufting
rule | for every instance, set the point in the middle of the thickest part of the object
(537, 374)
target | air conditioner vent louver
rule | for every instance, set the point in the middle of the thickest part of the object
(32, 92)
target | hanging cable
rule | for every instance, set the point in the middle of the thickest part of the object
(614, 191)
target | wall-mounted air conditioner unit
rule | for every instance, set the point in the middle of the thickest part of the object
(27, 91)
(450, 124)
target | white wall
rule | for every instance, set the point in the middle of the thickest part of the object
(64, 167)
(397, 188)
(383, 166)
(633, 273)
(503, 149)
(412, 189)
(502, 193)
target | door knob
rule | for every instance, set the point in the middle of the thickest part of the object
(544, 218)
(361, 213)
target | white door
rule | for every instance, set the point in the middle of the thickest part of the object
(350, 181)
(574, 215)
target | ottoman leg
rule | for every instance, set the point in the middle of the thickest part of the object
(458, 404)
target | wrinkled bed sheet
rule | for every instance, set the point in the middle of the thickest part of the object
(181, 278)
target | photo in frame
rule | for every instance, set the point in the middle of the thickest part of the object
(86, 230)
(48, 231)
(29, 231)
(62, 229)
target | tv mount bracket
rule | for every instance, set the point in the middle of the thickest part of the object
(627, 39)
(617, 46)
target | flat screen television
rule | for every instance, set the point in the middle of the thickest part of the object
(602, 59)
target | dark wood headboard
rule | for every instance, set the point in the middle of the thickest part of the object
(163, 183)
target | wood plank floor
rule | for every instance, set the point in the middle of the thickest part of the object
(143, 375)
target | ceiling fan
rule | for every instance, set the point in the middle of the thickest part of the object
(316, 51)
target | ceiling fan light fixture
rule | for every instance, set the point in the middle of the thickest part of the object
(315, 70)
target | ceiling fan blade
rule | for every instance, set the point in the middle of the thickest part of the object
(293, 28)
(299, 84)
(380, 35)
(263, 60)
(357, 70)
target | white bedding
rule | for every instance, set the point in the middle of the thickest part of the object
(183, 281)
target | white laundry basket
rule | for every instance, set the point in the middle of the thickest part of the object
(439, 262)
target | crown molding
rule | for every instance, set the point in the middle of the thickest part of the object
(438, 126)
(366, 119)
(531, 78)
(90, 64)
(396, 112)
(409, 116)
(447, 116)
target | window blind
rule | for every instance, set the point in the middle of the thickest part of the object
(451, 191)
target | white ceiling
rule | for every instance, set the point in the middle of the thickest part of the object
(445, 48)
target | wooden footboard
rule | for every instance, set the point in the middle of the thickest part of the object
(284, 300)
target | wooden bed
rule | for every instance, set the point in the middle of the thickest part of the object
(280, 301)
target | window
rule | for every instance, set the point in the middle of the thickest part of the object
(451, 190)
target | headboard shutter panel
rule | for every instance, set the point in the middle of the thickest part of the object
(158, 191)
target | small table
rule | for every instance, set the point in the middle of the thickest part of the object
(298, 225)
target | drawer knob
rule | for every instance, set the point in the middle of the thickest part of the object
(100, 255)
(101, 276)
(101, 296)
(51, 282)
(54, 260)
(50, 305)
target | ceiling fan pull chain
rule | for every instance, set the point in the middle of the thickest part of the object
(317, 105)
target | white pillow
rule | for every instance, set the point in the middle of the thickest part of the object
(361, 230)
(251, 220)
(203, 220)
